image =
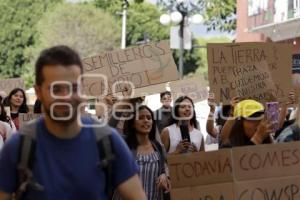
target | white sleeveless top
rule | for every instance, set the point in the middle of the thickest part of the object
(175, 137)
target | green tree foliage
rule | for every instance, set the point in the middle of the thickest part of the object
(201, 52)
(17, 22)
(220, 15)
(111, 6)
(191, 58)
(81, 26)
(142, 20)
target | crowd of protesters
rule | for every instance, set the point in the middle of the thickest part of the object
(141, 138)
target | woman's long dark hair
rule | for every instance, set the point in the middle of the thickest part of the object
(130, 131)
(237, 135)
(3, 114)
(23, 108)
(175, 111)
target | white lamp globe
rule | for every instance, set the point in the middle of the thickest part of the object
(165, 19)
(197, 19)
(176, 17)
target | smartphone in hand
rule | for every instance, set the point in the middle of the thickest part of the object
(185, 134)
(272, 114)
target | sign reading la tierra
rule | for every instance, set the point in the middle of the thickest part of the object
(224, 60)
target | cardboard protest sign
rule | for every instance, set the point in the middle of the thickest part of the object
(149, 90)
(141, 65)
(266, 161)
(224, 58)
(145, 91)
(252, 81)
(8, 85)
(258, 172)
(223, 191)
(266, 189)
(182, 193)
(26, 117)
(202, 168)
(195, 88)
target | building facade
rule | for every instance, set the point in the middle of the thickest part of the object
(269, 20)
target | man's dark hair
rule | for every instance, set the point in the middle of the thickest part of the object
(165, 93)
(57, 55)
(37, 108)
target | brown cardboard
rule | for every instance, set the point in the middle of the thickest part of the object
(195, 88)
(284, 188)
(181, 194)
(266, 161)
(187, 170)
(149, 90)
(145, 91)
(142, 65)
(8, 85)
(223, 57)
(255, 83)
(26, 117)
(223, 191)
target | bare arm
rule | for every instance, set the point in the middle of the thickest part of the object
(131, 189)
(210, 128)
(182, 146)
(226, 130)
(210, 125)
(165, 138)
(4, 196)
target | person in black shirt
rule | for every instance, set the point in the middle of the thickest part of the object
(164, 114)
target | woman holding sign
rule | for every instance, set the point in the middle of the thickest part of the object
(250, 126)
(150, 156)
(183, 135)
(16, 100)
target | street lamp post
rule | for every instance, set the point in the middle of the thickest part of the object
(180, 15)
(124, 17)
(181, 39)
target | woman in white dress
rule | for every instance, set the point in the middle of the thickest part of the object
(183, 113)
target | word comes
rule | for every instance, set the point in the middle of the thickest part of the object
(255, 161)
